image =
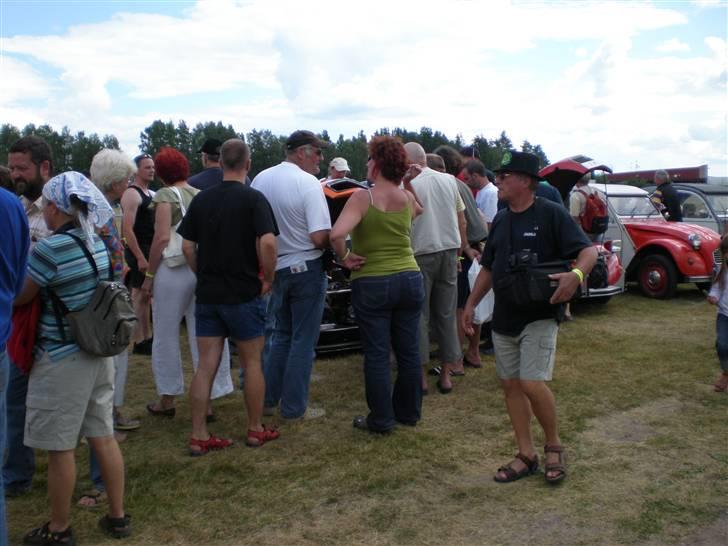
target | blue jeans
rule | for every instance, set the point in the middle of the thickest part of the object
(94, 471)
(292, 329)
(387, 310)
(721, 340)
(4, 376)
(20, 463)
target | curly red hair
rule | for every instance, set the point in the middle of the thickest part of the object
(389, 156)
(171, 165)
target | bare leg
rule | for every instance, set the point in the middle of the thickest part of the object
(254, 386)
(210, 351)
(166, 401)
(543, 404)
(112, 471)
(143, 327)
(519, 411)
(61, 481)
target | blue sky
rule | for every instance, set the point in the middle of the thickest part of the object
(633, 84)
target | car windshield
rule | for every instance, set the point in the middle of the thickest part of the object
(634, 206)
(719, 202)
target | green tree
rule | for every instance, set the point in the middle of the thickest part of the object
(157, 135)
(9, 134)
(266, 150)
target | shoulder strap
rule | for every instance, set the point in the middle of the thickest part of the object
(140, 191)
(582, 192)
(182, 207)
(371, 197)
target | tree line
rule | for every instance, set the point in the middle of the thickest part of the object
(75, 151)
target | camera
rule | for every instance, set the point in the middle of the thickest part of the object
(522, 258)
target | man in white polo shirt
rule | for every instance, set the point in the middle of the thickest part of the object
(297, 300)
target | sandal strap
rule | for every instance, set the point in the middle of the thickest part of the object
(530, 463)
(508, 471)
(553, 449)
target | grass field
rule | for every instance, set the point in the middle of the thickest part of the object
(646, 440)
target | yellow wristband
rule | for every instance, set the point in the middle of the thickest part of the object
(345, 256)
(579, 273)
(149, 275)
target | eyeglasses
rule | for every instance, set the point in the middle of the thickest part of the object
(318, 151)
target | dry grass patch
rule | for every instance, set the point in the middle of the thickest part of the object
(645, 436)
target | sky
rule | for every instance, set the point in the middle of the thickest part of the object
(635, 85)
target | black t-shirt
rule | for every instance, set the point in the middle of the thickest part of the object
(225, 221)
(544, 228)
(671, 200)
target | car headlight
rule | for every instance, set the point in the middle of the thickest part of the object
(694, 240)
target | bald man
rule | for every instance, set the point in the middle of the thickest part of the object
(438, 236)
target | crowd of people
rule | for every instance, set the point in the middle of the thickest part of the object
(242, 263)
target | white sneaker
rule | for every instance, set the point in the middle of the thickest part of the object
(311, 413)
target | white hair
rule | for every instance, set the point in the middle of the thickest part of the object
(111, 166)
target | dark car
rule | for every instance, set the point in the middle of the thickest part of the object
(339, 331)
(702, 204)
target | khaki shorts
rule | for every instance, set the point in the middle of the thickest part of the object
(67, 399)
(530, 355)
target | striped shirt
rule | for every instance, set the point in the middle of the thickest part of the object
(59, 263)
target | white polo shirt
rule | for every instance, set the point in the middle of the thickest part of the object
(299, 206)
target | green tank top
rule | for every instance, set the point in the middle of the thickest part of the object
(384, 239)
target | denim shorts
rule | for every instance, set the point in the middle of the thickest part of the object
(239, 321)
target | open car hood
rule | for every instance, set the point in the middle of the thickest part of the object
(564, 174)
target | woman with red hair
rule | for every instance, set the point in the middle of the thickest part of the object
(387, 289)
(171, 284)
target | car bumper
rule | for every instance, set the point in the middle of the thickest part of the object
(603, 292)
(699, 278)
(335, 337)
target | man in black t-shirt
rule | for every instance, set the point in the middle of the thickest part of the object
(229, 235)
(666, 197)
(530, 230)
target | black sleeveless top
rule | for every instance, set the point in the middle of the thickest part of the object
(144, 222)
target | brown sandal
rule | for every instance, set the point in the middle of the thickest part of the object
(512, 474)
(722, 384)
(559, 467)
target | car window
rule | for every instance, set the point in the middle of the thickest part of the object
(634, 206)
(719, 203)
(695, 207)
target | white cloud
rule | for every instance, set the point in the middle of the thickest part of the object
(672, 45)
(468, 67)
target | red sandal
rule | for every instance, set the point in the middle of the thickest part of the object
(205, 446)
(257, 438)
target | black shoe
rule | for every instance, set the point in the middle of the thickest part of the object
(43, 536)
(360, 422)
(169, 412)
(407, 423)
(116, 527)
(143, 347)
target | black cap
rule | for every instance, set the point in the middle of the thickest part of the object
(302, 138)
(211, 146)
(519, 162)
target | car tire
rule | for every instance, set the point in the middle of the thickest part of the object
(657, 277)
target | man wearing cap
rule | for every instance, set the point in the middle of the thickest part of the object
(211, 173)
(338, 168)
(529, 230)
(297, 300)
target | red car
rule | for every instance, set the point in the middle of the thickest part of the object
(606, 279)
(657, 254)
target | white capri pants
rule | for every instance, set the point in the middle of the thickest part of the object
(121, 366)
(174, 298)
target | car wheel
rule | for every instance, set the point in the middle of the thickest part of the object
(657, 277)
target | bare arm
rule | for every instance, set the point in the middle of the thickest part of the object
(483, 284)
(348, 219)
(267, 257)
(320, 238)
(416, 206)
(30, 290)
(569, 282)
(130, 202)
(162, 230)
(189, 249)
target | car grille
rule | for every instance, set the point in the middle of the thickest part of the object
(716, 257)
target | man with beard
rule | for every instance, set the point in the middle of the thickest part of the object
(31, 164)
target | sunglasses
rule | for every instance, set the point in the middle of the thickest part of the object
(139, 158)
(500, 177)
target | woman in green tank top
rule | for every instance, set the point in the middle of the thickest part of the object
(387, 289)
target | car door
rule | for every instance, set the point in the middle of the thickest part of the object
(695, 210)
(622, 244)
